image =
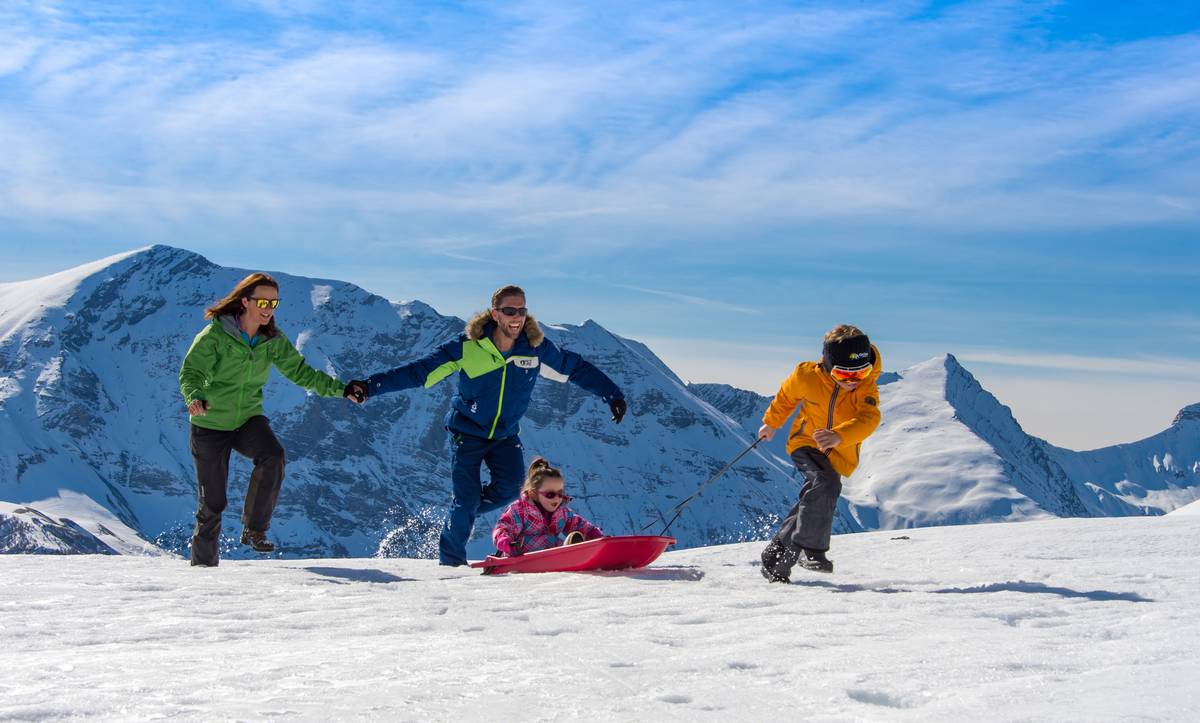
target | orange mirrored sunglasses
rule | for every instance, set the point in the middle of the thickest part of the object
(843, 374)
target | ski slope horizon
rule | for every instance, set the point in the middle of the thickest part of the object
(88, 396)
(1086, 619)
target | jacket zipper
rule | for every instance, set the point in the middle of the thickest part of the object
(500, 402)
(245, 381)
(832, 401)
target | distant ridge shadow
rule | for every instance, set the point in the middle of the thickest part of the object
(346, 575)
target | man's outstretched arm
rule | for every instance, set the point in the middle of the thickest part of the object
(585, 374)
(424, 372)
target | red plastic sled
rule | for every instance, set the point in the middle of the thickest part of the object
(605, 553)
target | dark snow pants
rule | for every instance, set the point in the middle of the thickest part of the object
(506, 463)
(810, 522)
(210, 451)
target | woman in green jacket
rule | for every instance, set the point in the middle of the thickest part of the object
(221, 381)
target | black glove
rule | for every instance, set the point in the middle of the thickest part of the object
(356, 390)
(618, 408)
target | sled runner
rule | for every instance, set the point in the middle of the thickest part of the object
(605, 553)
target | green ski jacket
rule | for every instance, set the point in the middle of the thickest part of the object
(221, 369)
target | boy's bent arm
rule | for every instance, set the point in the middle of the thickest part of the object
(424, 372)
(791, 391)
(863, 424)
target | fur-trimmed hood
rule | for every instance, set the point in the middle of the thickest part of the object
(477, 326)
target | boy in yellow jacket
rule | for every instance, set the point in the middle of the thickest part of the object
(838, 399)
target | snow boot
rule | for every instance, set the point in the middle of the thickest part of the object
(777, 562)
(257, 540)
(573, 538)
(815, 560)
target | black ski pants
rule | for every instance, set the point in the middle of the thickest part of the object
(809, 524)
(210, 451)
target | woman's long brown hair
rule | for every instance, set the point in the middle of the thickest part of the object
(231, 305)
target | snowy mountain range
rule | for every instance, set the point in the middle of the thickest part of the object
(95, 454)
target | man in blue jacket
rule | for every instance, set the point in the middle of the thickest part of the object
(498, 359)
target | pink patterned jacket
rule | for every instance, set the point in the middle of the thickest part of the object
(523, 527)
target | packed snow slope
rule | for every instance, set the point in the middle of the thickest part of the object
(1080, 619)
(95, 433)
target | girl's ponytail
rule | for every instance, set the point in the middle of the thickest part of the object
(539, 469)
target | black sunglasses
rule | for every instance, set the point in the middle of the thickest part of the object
(513, 310)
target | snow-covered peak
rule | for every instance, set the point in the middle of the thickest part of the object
(23, 302)
(1188, 415)
(414, 308)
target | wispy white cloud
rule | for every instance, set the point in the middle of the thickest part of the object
(690, 300)
(284, 8)
(686, 120)
(1159, 366)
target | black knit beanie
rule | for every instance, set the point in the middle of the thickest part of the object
(852, 353)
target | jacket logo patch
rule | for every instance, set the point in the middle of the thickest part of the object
(524, 362)
(872, 402)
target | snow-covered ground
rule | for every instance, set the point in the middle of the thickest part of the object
(1079, 619)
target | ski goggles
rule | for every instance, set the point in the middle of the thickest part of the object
(264, 303)
(513, 310)
(842, 374)
(554, 494)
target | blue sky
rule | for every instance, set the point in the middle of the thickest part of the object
(1012, 182)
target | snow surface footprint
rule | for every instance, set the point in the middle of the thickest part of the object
(753, 604)
(881, 698)
(553, 632)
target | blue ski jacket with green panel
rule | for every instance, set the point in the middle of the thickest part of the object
(493, 389)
